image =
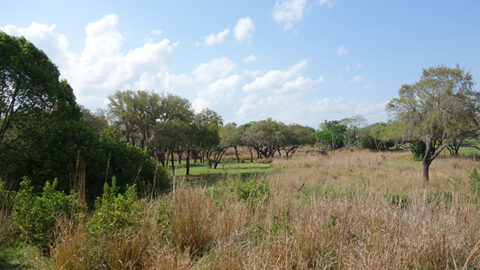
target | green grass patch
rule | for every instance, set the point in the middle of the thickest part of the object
(407, 161)
(22, 256)
(227, 168)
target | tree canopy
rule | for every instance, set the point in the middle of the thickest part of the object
(438, 109)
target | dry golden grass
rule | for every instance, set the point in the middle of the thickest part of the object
(322, 212)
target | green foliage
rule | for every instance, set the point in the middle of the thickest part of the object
(164, 215)
(418, 149)
(475, 184)
(400, 200)
(332, 134)
(438, 197)
(252, 190)
(29, 86)
(332, 221)
(115, 211)
(35, 217)
(281, 223)
(7, 198)
(373, 137)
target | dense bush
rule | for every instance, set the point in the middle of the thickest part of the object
(55, 150)
(418, 149)
(34, 217)
(115, 211)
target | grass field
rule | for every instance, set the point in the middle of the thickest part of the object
(351, 210)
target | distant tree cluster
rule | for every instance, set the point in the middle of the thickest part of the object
(164, 125)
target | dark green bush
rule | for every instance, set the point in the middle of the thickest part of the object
(418, 149)
(52, 151)
(35, 217)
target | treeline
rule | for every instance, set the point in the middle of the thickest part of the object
(165, 126)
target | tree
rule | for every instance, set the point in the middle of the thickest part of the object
(134, 115)
(29, 84)
(353, 124)
(332, 133)
(229, 137)
(263, 137)
(438, 109)
(295, 136)
(205, 136)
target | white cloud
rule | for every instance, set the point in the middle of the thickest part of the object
(357, 78)
(342, 51)
(337, 108)
(289, 12)
(251, 73)
(214, 69)
(157, 32)
(213, 38)
(283, 81)
(219, 92)
(329, 3)
(45, 38)
(251, 58)
(244, 29)
(255, 107)
(101, 68)
(202, 75)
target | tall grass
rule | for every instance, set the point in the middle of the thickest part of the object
(351, 210)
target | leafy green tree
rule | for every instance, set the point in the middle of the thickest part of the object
(295, 136)
(394, 132)
(204, 134)
(262, 136)
(332, 134)
(441, 107)
(29, 86)
(98, 120)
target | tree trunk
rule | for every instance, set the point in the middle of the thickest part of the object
(251, 154)
(236, 154)
(173, 171)
(426, 167)
(426, 161)
(188, 163)
(180, 154)
(173, 163)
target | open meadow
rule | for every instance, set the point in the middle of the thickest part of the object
(351, 210)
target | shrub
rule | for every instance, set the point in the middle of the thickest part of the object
(115, 211)
(35, 217)
(252, 190)
(418, 149)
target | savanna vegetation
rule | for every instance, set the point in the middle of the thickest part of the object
(150, 184)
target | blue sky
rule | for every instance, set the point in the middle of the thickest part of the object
(299, 61)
